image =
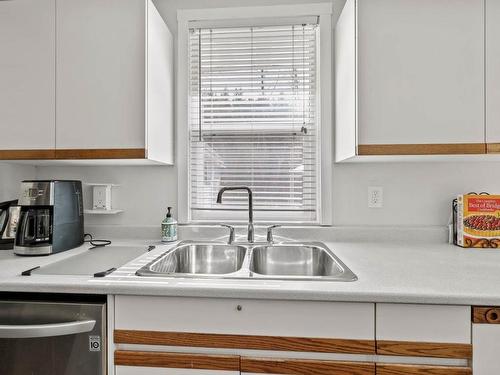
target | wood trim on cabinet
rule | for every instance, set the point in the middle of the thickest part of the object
(303, 366)
(424, 349)
(110, 153)
(226, 341)
(394, 369)
(423, 149)
(486, 315)
(177, 360)
(493, 148)
(27, 154)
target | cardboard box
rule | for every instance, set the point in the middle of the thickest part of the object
(478, 221)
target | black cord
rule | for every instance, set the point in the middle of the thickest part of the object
(96, 243)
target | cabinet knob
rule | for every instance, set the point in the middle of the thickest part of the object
(239, 307)
(493, 316)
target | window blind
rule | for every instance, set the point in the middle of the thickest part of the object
(253, 121)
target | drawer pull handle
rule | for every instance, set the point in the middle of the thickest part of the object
(493, 316)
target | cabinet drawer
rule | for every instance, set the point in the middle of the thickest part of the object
(424, 330)
(253, 317)
(246, 324)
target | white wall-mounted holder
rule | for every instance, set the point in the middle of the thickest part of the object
(102, 198)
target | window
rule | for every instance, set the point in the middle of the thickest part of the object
(253, 120)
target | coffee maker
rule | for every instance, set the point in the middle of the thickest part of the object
(51, 217)
(9, 216)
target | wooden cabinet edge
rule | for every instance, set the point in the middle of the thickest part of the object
(177, 360)
(109, 153)
(493, 148)
(485, 315)
(229, 341)
(303, 366)
(424, 349)
(422, 149)
(76, 154)
(398, 369)
(27, 154)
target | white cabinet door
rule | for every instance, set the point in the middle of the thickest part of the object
(423, 323)
(486, 349)
(420, 71)
(345, 83)
(101, 74)
(131, 370)
(160, 88)
(493, 71)
(27, 74)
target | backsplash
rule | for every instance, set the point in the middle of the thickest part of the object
(415, 194)
(144, 192)
(10, 177)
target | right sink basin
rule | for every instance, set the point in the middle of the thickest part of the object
(298, 261)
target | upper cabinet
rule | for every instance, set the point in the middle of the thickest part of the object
(110, 74)
(410, 78)
(114, 80)
(27, 78)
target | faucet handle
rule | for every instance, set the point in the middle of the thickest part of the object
(231, 233)
(270, 238)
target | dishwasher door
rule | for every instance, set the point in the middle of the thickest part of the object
(42, 338)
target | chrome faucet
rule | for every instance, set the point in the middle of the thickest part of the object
(250, 207)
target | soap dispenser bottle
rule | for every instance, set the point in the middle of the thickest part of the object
(169, 227)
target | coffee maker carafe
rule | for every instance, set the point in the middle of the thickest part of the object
(51, 217)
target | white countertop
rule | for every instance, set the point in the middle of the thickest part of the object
(387, 272)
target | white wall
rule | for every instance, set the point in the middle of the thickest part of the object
(10, 177)
(143, 194)
(414, 193)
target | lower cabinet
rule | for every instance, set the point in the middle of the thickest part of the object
(160, 336)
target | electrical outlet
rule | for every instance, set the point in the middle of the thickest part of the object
(102, 197)
(375, 196)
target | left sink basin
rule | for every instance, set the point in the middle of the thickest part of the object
(197, 260)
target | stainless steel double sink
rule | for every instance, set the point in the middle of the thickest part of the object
(282, 261)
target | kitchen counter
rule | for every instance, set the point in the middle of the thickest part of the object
(388, 272)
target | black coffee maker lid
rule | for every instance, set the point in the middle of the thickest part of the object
(7, 204)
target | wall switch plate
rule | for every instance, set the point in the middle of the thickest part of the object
(375, 196)
(102, 197)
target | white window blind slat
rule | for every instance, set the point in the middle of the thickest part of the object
(253, 120)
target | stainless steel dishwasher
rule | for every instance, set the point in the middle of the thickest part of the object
(52, 337)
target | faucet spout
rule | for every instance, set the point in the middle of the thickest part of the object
(250, 206)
